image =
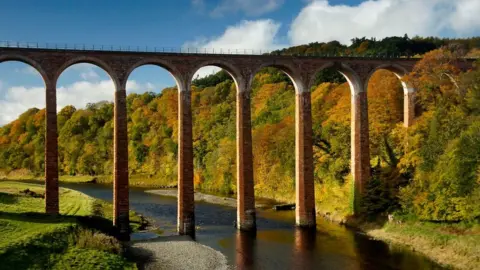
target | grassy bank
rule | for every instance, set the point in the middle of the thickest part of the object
(29, 239)
(452, 245)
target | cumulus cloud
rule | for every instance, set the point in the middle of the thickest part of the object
(464, 19)
(249, 7)
(321, 21)
(86, 71)
(18, 99)
(89, 75)
(197, 3)
(27, 70)
(247, 36)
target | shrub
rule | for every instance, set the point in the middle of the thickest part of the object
(88, 239)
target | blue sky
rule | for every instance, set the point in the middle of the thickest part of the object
(250, 24)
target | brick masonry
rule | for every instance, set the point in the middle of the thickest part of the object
(120, 183)
(408, 109)
(305, 191)
(360, 163)
(245, 185)
(51, 153)
(186, 204)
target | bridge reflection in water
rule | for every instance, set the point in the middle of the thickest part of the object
(303, 250)
(245, 243)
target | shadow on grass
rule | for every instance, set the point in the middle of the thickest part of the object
(7, 198)
(36, 217)
(91, 222)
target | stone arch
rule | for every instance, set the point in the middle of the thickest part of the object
(398, 70)
(89, 60)
(234, 72)
(177, 76)
(28, 61)
(291, 71)
(350, 75)
(408, 91)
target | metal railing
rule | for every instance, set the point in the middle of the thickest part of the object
(116, 48)
(180, 50)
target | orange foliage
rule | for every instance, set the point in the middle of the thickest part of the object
(262, 95)
(385, 101)
(341, 111)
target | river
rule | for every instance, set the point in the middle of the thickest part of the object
(277, 244)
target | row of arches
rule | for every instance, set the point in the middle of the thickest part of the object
(245, 183)
(355, 81)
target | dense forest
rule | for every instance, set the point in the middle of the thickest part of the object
(430, 171)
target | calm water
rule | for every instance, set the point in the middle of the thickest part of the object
(277, 243)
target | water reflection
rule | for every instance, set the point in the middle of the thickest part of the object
(245, 243)
(375, 255)
(303, 249)
(276, 245)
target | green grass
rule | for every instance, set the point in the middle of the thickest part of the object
(455, 245)
(30, 239)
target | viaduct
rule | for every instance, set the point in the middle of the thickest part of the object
(50, 63)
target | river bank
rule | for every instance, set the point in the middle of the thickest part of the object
(447, 244)
(452, 245)
(31, 239)
(81, 237)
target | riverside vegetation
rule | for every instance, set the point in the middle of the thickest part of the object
(81, 237)
(426, 177)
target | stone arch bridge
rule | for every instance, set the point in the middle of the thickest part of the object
(50, 63)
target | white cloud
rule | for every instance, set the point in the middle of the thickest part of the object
(257, 35)
(18, 99)
(86, 71)
(198, 3)
(89, 75)
(465, 19)
(247, 36)
(27, 70)
(249, 7)
(205, 71)
(322, 21)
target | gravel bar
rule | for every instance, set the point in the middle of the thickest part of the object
(177, 252)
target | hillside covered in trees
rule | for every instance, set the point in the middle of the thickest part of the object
(430, 171)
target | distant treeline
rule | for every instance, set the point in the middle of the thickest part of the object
(388, 46)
